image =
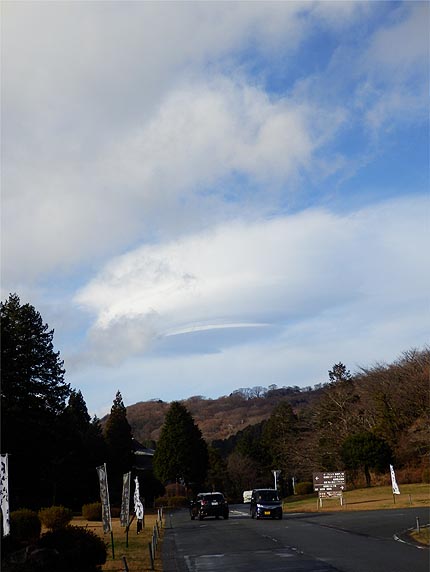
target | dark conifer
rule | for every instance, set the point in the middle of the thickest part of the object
(33, 394)
(181, 454)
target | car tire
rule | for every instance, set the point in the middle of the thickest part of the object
(280, 516)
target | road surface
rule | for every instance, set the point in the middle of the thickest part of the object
(359, 541)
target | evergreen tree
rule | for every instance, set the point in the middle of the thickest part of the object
(181, 453)
(249, 443)
(366, 451)
(280, 440)
(119, 445)
(217, 478)
(84, 449)
(339, 373)
(336, 416)
(33, 394)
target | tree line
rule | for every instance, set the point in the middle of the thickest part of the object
(53, 444)
(359, 422)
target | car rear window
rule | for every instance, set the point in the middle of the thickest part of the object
(218, 498)
(268, 496)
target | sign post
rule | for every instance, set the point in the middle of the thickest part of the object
(329, 485)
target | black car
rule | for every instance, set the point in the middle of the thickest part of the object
(265, 503)
(209, 504)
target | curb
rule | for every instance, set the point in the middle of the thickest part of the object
(405, 538)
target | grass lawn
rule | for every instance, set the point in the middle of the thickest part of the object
(423, 536)
(373, 498)
(137, 553)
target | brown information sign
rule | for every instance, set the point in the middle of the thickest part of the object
(329, 483)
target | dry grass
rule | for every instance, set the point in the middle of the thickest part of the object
(423, 536)
(137, 552)
(373, 498)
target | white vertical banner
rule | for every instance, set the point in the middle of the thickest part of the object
(276, 474)
(138, 506)
(394, 484)
(4, 478)
(104, 497)
(125, 504)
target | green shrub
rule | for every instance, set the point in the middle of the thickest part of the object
(25, 525)
(79, 549)
(92, 511)
(173, 502)
(305, 488)
(55, 517)
(161, 501)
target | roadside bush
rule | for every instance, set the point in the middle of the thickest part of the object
(79, 549)
(25, 525)
(305, 488)
(55, 517)
(172, 502)
(92, 511)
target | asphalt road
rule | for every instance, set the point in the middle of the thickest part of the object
(303, 542)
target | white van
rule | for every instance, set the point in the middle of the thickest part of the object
(247, 496)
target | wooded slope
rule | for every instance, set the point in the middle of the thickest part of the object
(391, 400)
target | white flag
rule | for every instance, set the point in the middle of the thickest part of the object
(138, 506)
(394, 482)
(4, 477)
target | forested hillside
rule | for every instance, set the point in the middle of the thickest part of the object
(384, 407)
(223, 417)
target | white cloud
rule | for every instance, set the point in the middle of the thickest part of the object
(395, 67)
(284, 271)
(203, 133)
(191, 128)
(402, 43)
(146, 180)
(109, 113)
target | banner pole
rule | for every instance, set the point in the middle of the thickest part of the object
(113, 546)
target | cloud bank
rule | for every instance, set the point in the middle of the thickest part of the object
(277, 272)
(195, 192)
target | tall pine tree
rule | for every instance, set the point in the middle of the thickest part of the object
(84, 449)
(119, 444)
(33, 394)
(181, 453)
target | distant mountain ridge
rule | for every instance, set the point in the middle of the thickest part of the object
(222, 417)
(388, 402)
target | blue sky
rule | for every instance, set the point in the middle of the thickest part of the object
(204, 196)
